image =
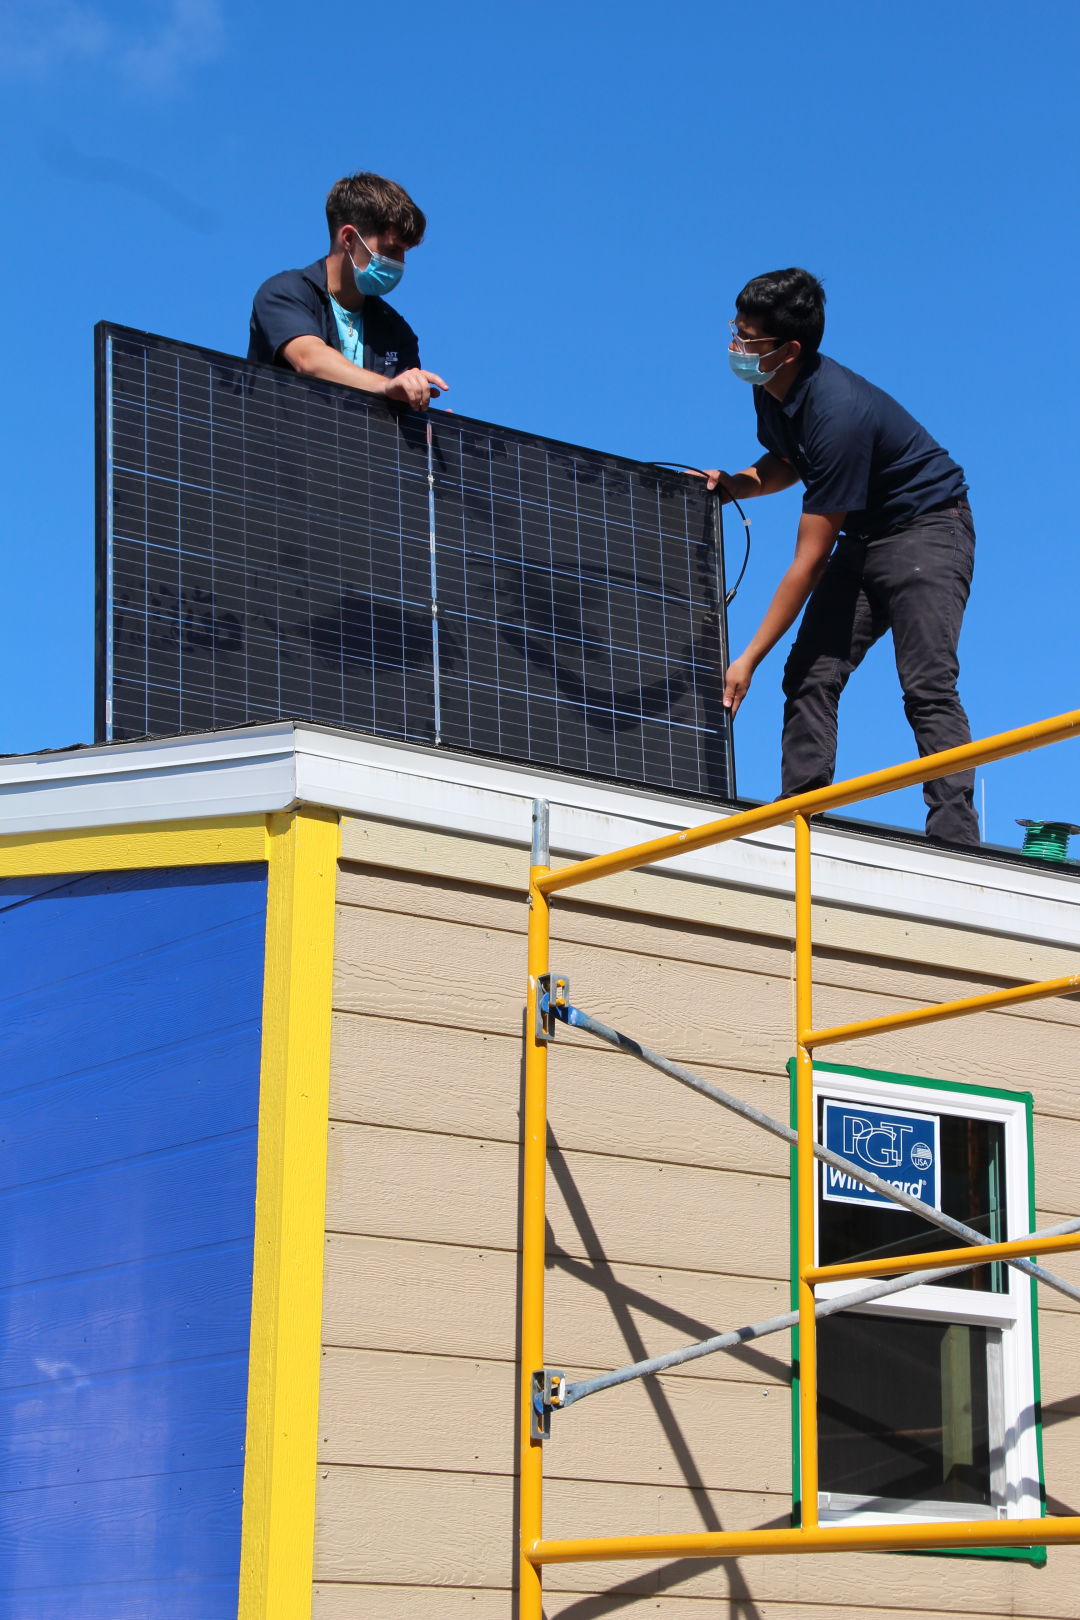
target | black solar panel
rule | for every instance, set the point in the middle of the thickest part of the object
(272, 546)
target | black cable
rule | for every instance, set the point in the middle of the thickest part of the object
(680, 466)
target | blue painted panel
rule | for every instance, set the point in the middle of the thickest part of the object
(129, 1057)
(118, 1009)
(175, 1093)
(122, 913)
(16, 891)
(178, 1525)
(158, 1204)
(158, 1420)
(134, 1315)
(185, 1598)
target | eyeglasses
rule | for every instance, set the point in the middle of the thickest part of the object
(740, 344)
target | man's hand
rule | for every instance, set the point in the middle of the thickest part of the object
(739, 675)
(767, 476)
(415, 388)
(311, 357)
(729, 484)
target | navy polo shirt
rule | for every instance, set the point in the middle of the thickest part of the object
(856, 450)
(296, 303)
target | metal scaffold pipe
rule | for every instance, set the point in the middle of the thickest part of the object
(549, 1003)
(533, 1230)
(819, 800)
(577, 1019)
(579, 1388)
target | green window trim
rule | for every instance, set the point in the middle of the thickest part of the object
(1035, 1555)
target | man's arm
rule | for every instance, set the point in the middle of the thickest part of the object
(816, 538)
(311, 357)
(768, 476)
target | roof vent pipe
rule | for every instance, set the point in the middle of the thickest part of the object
(1047, 840)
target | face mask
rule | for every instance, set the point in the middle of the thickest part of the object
(748, 366)
(380, 275)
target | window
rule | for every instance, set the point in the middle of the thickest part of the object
(927, 1400)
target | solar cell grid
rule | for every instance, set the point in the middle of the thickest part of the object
(276, 547)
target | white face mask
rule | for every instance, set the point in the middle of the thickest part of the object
(748, 366)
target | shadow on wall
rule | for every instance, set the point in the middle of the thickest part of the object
(623, 1300)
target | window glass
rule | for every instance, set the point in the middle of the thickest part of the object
(904, 1410)
(972, 1153)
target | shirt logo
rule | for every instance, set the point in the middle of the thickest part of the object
(390, 359)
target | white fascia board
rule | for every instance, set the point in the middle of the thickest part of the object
(249, 772)
(259, 769)
(452, 793)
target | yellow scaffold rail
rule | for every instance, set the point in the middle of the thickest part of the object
(538, 1394)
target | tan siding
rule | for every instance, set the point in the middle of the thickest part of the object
(638, 1211)
(461, 1419)
(600, 1101)
(477, 866)
(1057, 1156)
(668, 1222)
(389, 1526)
(437, 1299)
(438, 972)
(352, 1602)
(710, 941)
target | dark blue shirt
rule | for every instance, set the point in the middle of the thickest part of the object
(856, 450)
(296, 303)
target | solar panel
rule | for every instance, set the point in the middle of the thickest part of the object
(271, 546)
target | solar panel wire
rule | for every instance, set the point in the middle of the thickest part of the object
(681, 466)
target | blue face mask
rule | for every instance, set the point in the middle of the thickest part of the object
(379, 276)
(748, 366)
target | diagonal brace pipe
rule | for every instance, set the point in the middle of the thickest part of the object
(577, 1390)
(577, 1019)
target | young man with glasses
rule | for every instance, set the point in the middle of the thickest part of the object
(885, 542)
(330, 320)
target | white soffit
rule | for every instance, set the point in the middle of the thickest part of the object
(272, 767)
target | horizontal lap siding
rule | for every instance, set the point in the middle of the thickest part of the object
(345, 1602)
(668, 1222)
(409, 1527)
(442, 1299)
(131, 1046)
(640, 1211)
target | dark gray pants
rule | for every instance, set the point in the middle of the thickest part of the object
(914, 583)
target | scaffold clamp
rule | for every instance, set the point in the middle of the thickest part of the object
(551, 1004)
(548, 1392)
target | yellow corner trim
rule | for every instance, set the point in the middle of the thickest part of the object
(278, 1540)
(128, 848)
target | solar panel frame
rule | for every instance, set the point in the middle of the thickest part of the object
(272, 547)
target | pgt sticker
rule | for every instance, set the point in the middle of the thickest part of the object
(900, 1147)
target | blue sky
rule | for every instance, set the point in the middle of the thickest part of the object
(599, 180)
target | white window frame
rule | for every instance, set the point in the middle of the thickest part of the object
(1017, 1465)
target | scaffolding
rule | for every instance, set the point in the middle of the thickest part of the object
(545, 1391)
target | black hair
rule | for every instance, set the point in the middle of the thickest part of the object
(789, 304)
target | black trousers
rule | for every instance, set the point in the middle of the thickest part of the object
(914, 583)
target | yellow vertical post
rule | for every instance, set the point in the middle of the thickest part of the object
(804, 1120)
(278, 1534)
(534, 1180)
